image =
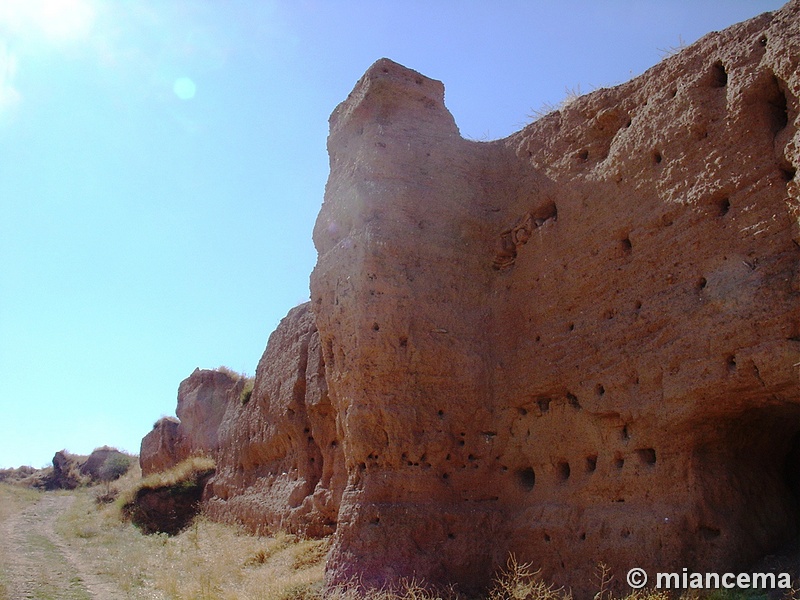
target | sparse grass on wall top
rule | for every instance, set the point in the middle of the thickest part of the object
(187, 470)
(247, 390)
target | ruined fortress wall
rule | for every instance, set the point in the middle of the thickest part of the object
(578, 344)
(280, 463)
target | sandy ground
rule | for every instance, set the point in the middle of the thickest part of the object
(41, 564)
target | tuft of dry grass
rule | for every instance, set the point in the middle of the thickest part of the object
(231, 373)
(648, 594)
(247, 390)
(570, 95)
(407, 589)
(249, 382)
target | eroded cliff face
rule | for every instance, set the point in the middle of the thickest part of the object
(280, 464)
(579, 344)
(203, 399)
(278, 453)
(160, 449)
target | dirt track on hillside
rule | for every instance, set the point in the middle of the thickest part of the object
(41, 564)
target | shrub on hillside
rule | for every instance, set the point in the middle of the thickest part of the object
(114, 467)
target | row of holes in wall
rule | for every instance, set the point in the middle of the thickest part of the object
(706, 533)
(526, 477)
(775, 107)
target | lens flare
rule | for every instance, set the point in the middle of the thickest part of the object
(184, 88)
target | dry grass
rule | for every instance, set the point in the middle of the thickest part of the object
(406, 590)
(249, 382)
(211, 560)
(187, 470)
(215, 561)
(570, 95)
(520, 582)
(207, 561)
(13, 498)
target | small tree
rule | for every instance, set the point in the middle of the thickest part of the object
(114, 467)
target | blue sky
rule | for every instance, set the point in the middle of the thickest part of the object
(162, 163)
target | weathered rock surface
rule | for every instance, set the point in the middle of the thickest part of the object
(203, 398)
(578, 344)
(279, 459)
(160, 449)
(65, 474)
(281, 463)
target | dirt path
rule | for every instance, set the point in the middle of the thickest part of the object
(41, 564)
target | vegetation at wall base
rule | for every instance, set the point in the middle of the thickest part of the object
(167, 502)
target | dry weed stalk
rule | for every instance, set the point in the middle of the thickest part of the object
(518, 581)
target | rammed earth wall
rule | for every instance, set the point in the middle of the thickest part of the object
(578, 344)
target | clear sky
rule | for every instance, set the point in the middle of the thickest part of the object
(162, 163)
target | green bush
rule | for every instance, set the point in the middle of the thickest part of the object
(247, 392)
(114, 467)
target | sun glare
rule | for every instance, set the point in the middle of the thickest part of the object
(56, 20)
(9, 96)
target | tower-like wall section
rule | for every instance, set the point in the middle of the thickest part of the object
(578, 344)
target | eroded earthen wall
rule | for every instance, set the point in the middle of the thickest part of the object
(578, 344)
(203, 399)
(280, 461)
